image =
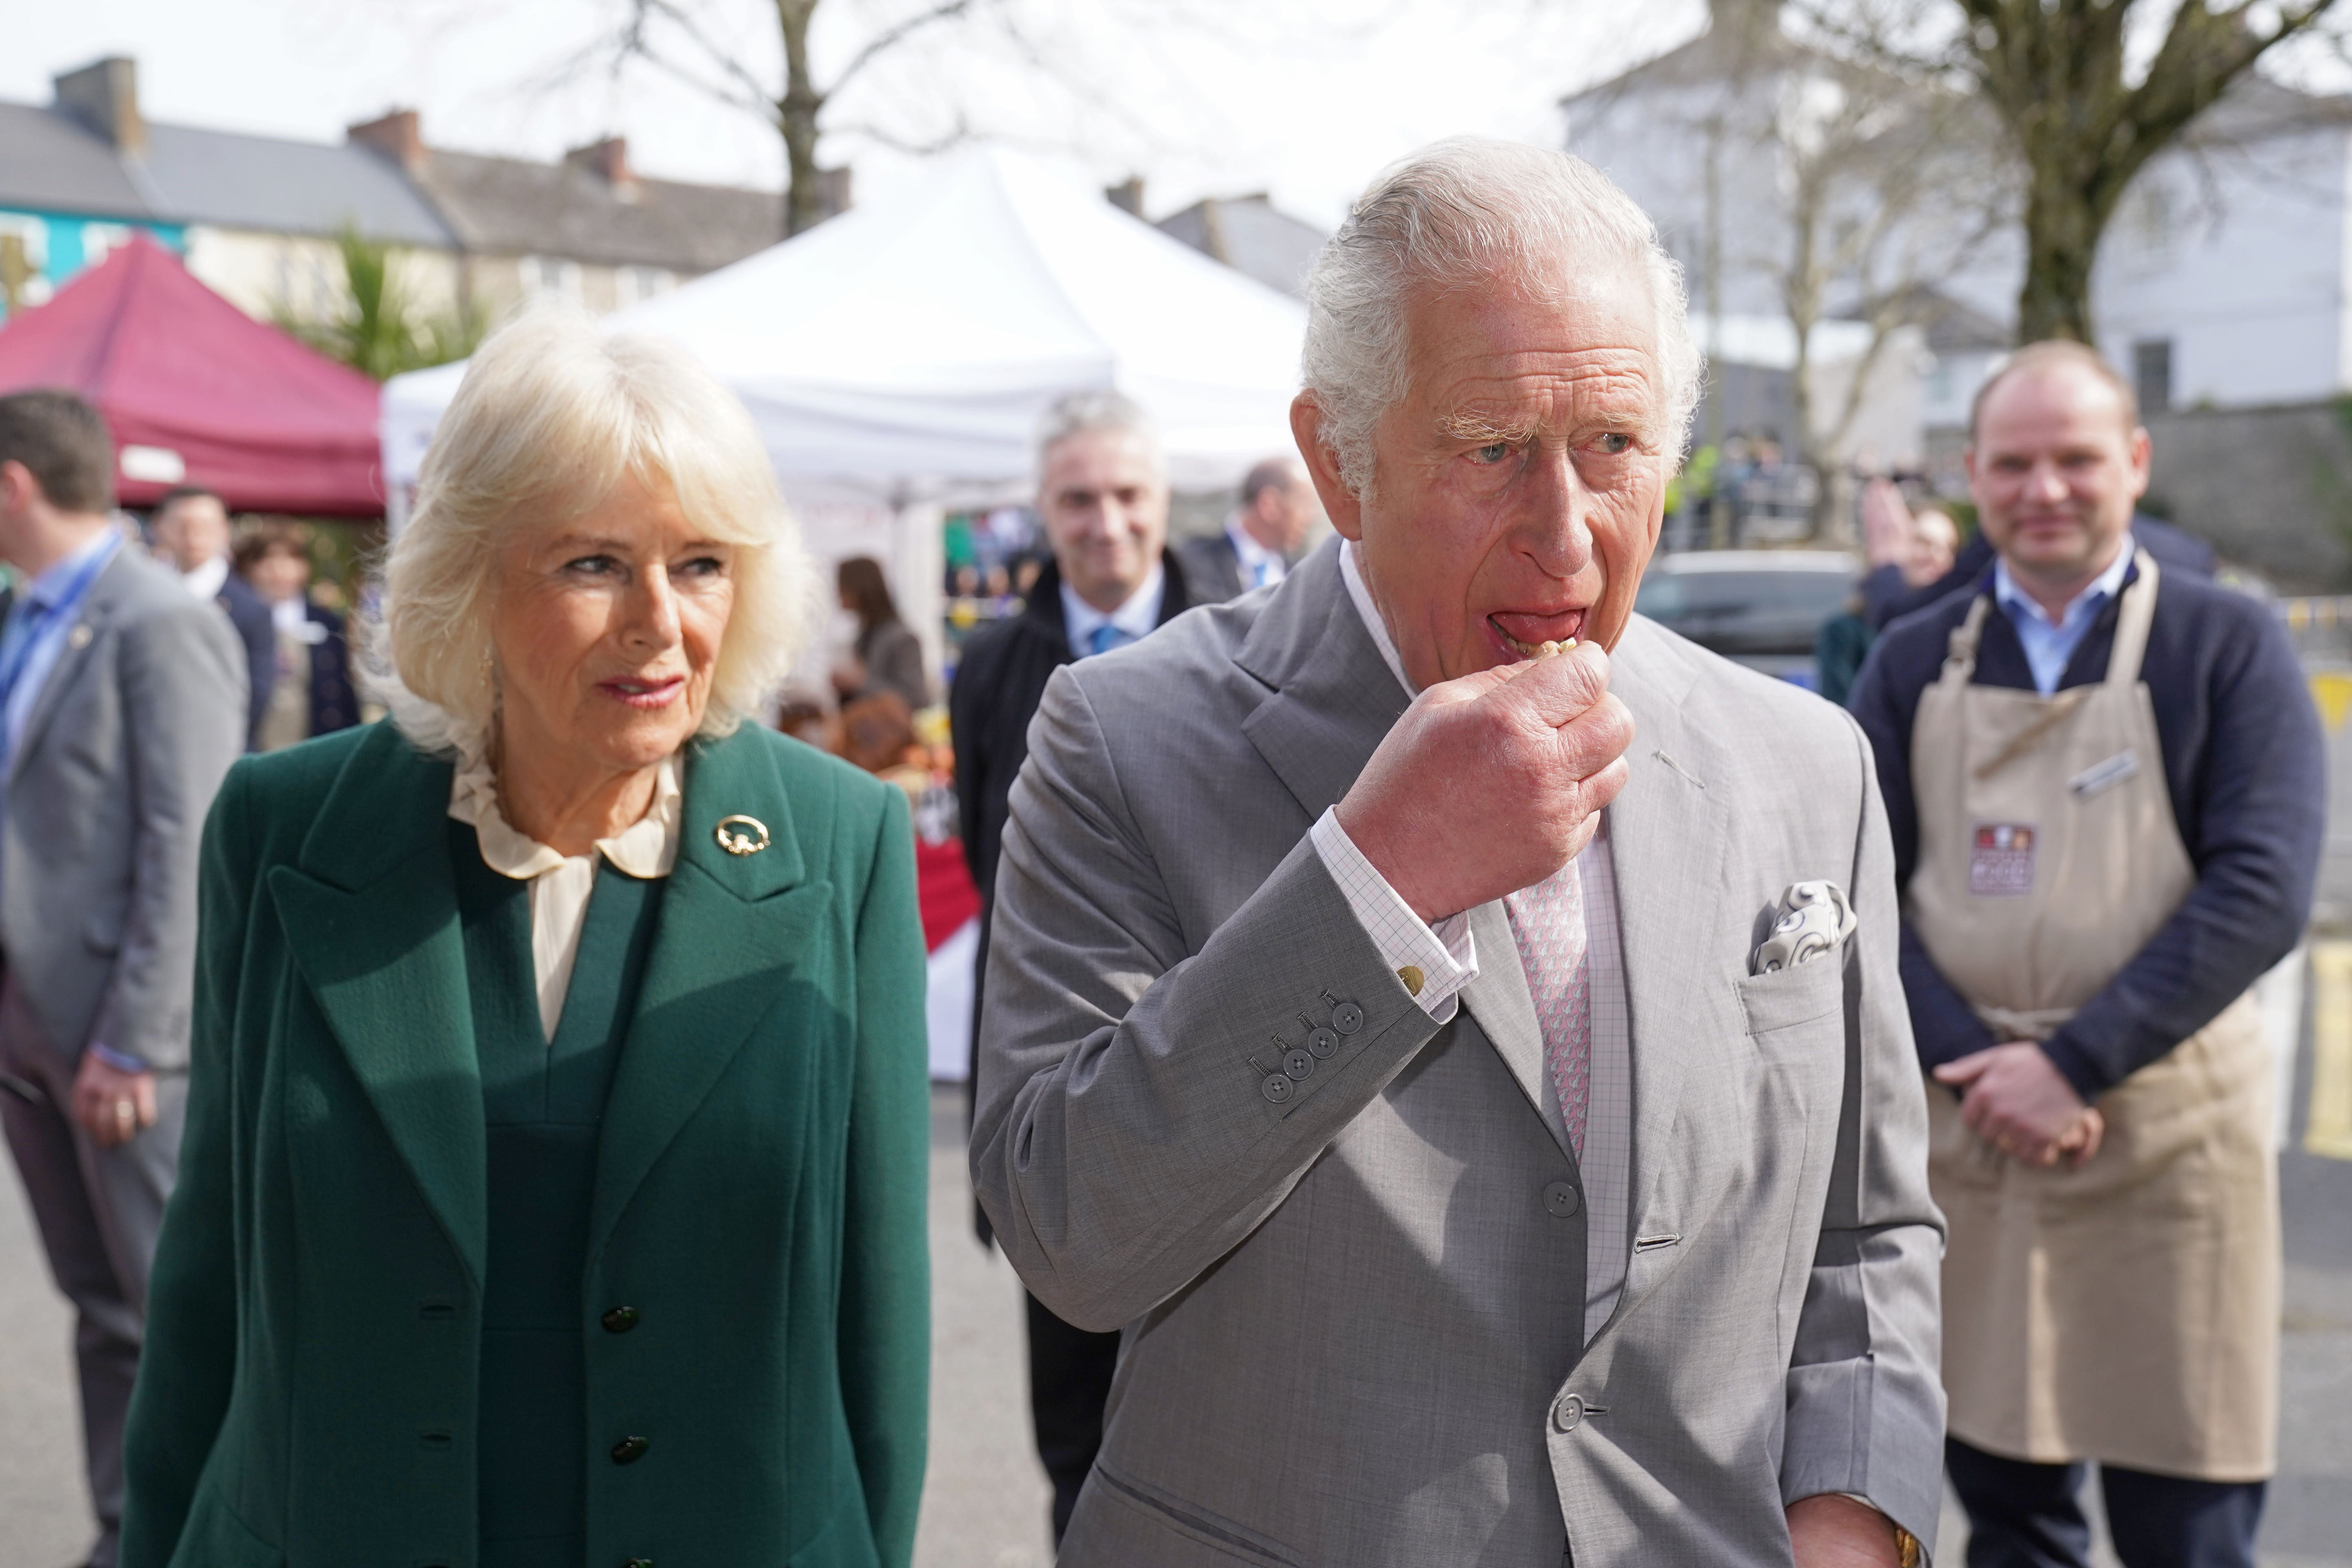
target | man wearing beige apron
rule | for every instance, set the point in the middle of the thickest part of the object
(2105, 783)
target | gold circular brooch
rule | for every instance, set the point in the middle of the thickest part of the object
(741, 834)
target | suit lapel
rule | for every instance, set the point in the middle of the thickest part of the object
(734, 931)
(1667, 833)
(98, 607)
(370, 913)
(1334, 696)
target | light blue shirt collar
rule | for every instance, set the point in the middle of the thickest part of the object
(1259, 566)
(2050, 645)
(1136, 617)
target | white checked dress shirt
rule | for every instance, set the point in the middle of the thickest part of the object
(1447, 957)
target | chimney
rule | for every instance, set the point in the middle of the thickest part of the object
(609, 160)
(399, 136)
(1127, 195)
(104, 96)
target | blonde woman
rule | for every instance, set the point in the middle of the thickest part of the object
(553, 1187)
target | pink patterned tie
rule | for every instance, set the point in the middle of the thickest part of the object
(1548, 920)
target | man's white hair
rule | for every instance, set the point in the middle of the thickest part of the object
(1467, 213)
(1099, 409)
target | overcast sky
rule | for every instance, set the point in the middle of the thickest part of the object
(1305, 98)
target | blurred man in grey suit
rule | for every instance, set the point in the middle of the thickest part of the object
(122, 702)
(1394, 1026)
(1261, 540)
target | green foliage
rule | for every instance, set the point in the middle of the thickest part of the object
(377, 326)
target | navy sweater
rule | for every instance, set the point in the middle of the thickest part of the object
(2244, 763)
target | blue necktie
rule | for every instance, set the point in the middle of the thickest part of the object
(1107, 636)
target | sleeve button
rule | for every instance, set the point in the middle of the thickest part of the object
(629, 1450)
(1346, 1017)
(1297, 1064)
(1276, 1088)
(620, 1320)
(1322, 1042)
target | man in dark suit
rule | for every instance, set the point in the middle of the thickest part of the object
(1102, 492)
(191, 535)
(1260, 542)
(121, 705)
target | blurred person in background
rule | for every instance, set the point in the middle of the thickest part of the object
(1921, 548)
(1102, 492)
(1260, 541)
(2105, 785)
(886, 656)
(190, 528)
(311, 691)
(554, 1191)
(1377, 1027)
(121, 705)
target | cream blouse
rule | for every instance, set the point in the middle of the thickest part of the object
(560, 885)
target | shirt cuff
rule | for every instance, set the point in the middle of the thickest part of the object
(121, 1061)
(1444, 956)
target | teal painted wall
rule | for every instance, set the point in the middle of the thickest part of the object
(65, 243)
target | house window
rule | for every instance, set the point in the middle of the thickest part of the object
(551, 278)
(2152, 374)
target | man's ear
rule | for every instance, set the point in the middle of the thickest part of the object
(1341, 504)
(17, 486)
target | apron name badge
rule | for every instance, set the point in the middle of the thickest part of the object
(2000, 860)
(2104, 776)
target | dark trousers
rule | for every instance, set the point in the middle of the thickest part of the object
(2031, 1515)
(1069, 1383)
(97, 1211)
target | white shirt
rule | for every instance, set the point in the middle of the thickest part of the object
(2050, 645)
(1448, 959)
(206, 580)
(1136, 617)
(292, 619)
(1260, 567)
(560, 885)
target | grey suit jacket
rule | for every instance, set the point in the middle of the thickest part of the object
(1352, 1307)
(126, 743)
(1212, 568)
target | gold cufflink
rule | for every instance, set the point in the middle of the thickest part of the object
(1411, 976)
(741, 834)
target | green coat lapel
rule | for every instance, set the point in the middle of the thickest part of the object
(733, 930)
(370, 913)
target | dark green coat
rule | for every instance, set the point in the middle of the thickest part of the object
(308, 1392)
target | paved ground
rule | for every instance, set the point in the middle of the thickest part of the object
(984, 1502)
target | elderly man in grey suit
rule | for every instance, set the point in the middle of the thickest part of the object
(122, 702)
(1473, 1076)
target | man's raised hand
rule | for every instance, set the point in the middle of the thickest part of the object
(1491, 782)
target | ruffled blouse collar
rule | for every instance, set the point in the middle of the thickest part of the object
(645, 848)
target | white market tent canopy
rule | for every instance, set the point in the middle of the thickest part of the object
(905, 351)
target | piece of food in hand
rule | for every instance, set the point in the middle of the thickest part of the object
(1540, 649)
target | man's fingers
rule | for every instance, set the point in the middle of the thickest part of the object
(1556, 690)
(1966, 1068)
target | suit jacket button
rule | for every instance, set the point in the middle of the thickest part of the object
(1560, 1198)
(638, 1562)
(1276, 1088)
(1322, 1042)
(1346, 1017)
(1298, 1064)
(1568, 1413)
(629, 1450)
(620, 1320)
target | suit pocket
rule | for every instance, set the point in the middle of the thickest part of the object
(216, 1537)
(1231, 1542)
(1786, 997)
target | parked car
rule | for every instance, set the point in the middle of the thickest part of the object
(1761, 607)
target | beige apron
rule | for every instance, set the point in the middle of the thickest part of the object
(2127, 1312)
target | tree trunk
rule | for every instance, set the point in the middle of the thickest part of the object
(2062, 243)
(796, 114)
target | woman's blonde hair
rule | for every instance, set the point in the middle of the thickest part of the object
(549, 417)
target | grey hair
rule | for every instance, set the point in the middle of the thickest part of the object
(550, 415)
(1464, 214)
(1099, 409)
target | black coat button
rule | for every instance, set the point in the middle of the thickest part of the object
(1322, 1042)
(638, 1562)
(629, 1450)
(1276, 1088)
(1346, 1017)
(620, 1320)
(1560, 1198)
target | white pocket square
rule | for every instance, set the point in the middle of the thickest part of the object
(1814, 919)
